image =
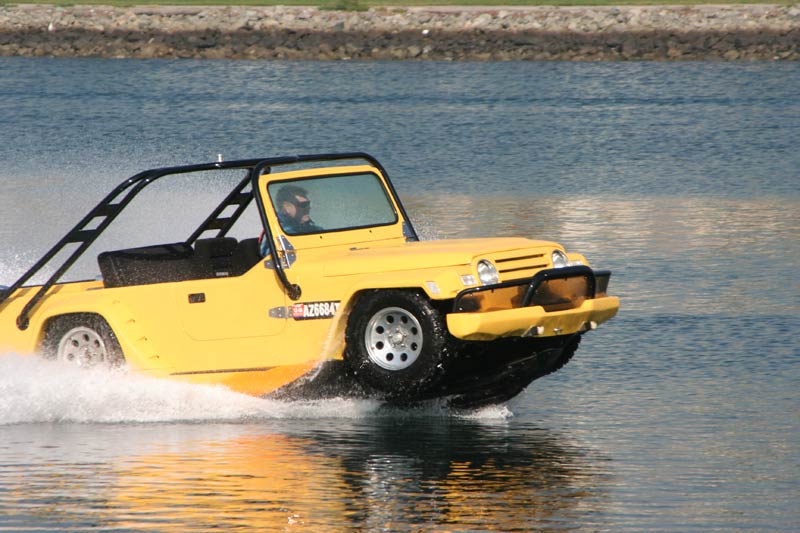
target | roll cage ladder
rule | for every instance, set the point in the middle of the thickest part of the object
(103, 214)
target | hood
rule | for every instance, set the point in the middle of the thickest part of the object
(433, 254)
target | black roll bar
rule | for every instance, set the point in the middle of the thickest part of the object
(238, 197)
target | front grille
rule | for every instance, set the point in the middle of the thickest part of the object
(520, 266)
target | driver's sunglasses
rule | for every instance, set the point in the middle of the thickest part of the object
(302, 204)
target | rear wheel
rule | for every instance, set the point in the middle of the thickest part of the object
(84, 340)
(397, 342)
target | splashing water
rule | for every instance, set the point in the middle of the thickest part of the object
(36, 390)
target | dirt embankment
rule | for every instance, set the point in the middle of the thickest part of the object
(751, 32)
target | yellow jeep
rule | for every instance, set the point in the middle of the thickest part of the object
(337, 296)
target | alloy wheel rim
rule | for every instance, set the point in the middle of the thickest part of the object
(393, 338)
(82, 346)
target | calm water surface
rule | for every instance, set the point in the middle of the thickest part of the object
(679, 414)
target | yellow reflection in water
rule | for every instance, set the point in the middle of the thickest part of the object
(384, 476)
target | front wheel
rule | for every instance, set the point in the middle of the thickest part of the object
(397, 342)
(84, 340)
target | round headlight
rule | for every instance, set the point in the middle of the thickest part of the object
(559, 259)
(487, 272)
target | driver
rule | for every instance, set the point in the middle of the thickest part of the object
(294, 210)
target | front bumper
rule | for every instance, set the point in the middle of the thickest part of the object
(561, 301)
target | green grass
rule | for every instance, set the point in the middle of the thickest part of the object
(358, 4)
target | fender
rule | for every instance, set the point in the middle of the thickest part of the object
(73, 298)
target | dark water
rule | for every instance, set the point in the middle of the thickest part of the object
(679, 414)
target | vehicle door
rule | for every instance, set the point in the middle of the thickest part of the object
(232, 307)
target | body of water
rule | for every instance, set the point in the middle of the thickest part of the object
(682, 413)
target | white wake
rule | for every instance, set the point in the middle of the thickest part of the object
(35, 390)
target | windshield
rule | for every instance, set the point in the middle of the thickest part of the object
(331, 203)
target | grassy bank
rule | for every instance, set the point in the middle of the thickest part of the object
(355, 4)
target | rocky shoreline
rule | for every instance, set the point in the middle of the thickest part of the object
(725, 32)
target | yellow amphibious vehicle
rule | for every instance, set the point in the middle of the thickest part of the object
(336, 296)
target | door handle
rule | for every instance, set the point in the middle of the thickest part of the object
(197, 298)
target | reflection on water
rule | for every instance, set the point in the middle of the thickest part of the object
(401, 473)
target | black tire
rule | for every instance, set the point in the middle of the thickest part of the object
(397, 343)
(82, 339)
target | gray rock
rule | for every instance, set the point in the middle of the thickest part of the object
(732, 32)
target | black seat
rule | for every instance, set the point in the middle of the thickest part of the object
(150, 264)
(216, 255)
(162, 263)
(247, 254)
